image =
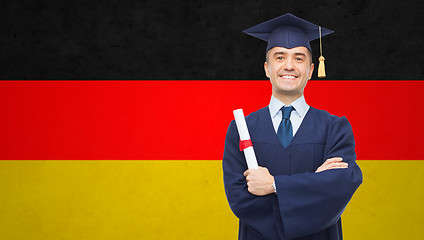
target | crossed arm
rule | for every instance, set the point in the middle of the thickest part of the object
(259, 181)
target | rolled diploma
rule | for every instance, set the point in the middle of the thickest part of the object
(249, 153)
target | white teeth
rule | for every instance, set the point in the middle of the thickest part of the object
(286, 76)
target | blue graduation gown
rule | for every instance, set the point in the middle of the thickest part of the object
(307, 205)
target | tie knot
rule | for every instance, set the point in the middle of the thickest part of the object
(286, 111)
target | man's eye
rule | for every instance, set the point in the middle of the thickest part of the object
(280, 58)
(299, 59)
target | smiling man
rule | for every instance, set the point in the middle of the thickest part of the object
(307, 172)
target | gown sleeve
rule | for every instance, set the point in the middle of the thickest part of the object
(312, 202)
(255, 211)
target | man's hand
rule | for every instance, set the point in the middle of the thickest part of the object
(259, 181)
(332, 163)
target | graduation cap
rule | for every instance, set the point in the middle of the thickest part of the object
(289, 31)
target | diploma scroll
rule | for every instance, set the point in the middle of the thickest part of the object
(249, 153)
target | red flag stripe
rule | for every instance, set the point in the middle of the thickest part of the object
(188, 119)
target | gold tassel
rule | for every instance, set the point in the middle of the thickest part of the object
(321, 66)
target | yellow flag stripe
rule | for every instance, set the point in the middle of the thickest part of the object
(178, 200)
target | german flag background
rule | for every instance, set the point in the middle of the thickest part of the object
(113, 114)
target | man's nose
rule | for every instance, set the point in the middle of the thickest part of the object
(288, 65)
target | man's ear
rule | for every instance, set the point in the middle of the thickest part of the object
(311, 70)
(266, 69)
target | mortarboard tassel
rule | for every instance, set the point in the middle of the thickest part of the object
(321, 66)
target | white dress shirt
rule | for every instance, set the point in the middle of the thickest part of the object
(296, 116)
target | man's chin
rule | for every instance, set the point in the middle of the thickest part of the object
(288, 89)
(287, 93)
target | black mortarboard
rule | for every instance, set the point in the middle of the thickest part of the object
(289, 31)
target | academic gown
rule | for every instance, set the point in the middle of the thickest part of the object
(307, 205)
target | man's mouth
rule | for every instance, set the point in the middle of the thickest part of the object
(288, 76)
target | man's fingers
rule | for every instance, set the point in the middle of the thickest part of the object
(255, 171)
(338, 165)
(334, 159)
(332, 163)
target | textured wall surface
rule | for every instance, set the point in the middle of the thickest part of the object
(201, 39)
(169, 185)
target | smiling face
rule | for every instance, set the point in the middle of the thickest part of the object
(289, 70)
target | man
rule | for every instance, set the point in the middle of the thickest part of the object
(307, 172)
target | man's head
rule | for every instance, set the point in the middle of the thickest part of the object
(288, 55)
(288, 69)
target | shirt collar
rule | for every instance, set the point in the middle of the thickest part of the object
(299, 105)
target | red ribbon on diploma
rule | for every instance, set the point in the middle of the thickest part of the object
(245, 144)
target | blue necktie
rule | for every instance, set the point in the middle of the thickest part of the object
(285, 130)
